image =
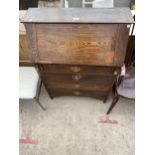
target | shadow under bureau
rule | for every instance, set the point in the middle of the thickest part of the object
(78, 51)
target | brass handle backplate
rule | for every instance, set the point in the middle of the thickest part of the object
(75, 69)
(77, 86)
(76, 93)
(76, 77)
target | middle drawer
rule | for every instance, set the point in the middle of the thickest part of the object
(97, 79)
(78, 81)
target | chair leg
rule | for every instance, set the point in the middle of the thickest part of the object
(21, 107)
(42, 107)
(113, 104)
(38, 95)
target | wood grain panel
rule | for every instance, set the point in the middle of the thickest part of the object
(24, 54)
(121, 45)
(76, 44)
(23, 48)
(32, 41)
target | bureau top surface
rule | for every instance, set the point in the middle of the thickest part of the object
(78, 15)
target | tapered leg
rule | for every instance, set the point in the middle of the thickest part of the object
(115, 98)
(104, 99)
(51, 96)
(113, 104)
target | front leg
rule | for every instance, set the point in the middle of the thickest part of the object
(105, 99)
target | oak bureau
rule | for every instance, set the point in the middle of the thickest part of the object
(78, 51)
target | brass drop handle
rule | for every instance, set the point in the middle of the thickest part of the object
(75, 69)
(76, 77)
(76, 93)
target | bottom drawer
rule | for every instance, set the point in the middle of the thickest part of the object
(74, 92)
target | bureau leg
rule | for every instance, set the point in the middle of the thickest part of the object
(115, 97)
(51, 97)
(49, 93)
(105, 99)
(113, 104)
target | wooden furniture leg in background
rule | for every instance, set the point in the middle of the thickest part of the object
(38, 94)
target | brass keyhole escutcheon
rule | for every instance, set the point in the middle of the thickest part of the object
(75, 69)
(76, 77)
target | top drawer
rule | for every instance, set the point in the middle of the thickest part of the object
(82, 44)
(73, 69)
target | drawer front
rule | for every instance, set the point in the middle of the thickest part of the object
(77, 78)
(74, 92)
(72, 69)
(76, 43)
(83, 44)
(79, 85)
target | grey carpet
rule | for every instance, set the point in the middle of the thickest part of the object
(70, 126)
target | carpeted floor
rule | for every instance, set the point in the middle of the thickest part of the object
(70, 126)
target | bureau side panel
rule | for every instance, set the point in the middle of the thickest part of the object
(31, 35)
(82, 44)
(121, 44)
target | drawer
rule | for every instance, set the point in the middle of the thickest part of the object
(77, 78)
(70, 69)
(79, 86)
(74, 92)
